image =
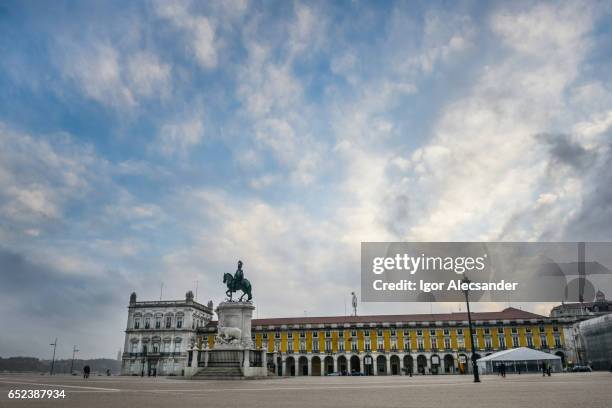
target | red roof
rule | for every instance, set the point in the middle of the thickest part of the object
(506, 314)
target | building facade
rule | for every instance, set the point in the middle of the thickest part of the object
(594, 342)
(572, 314)
(159, 334)
(394, 344)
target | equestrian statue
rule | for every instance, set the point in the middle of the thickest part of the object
(237, 282)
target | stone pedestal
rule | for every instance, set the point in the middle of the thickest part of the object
(234, 325)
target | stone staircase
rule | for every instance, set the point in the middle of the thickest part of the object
(219, 373)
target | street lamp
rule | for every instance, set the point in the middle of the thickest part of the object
(466, 291)
(74, 351)
(54, 344)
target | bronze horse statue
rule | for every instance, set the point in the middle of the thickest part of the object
(234, 285)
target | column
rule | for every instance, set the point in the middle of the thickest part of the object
(309, 365)
(284, 364)
(374, 365)
(389, 365)
(245, 358)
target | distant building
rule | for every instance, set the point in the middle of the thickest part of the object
(159, 333)
(584, 310)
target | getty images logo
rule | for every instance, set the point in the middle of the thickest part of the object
(413, 264)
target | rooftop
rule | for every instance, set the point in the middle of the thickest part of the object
(506, 314)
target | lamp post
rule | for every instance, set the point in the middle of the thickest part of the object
(466, 291)
(54, 344)
(74, 351)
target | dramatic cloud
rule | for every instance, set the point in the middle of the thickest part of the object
(151, 145)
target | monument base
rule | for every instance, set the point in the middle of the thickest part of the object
(233, 355)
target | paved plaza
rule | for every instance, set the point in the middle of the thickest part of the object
(562, 390)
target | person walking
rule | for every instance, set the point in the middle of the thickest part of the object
(86, 371)
(502, 370)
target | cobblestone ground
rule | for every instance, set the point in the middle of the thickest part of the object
(593, 390)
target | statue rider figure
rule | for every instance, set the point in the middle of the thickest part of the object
(238, 276)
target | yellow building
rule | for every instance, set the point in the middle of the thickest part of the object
(395, 344)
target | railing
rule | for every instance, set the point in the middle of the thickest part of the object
(226, 358)
(151, 354)
(255, 359)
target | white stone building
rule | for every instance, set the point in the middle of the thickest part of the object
(159, 333)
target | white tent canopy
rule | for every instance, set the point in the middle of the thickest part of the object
(520, 359)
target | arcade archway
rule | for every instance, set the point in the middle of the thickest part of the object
(316, 366)
(355, 364)
(290, 366)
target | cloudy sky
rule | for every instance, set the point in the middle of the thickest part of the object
(149, 142)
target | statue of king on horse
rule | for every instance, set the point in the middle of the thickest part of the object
(237, 282)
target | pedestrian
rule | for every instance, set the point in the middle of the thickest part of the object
(543, 369)
(549, 369)
(502, 369)
(86, 371)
